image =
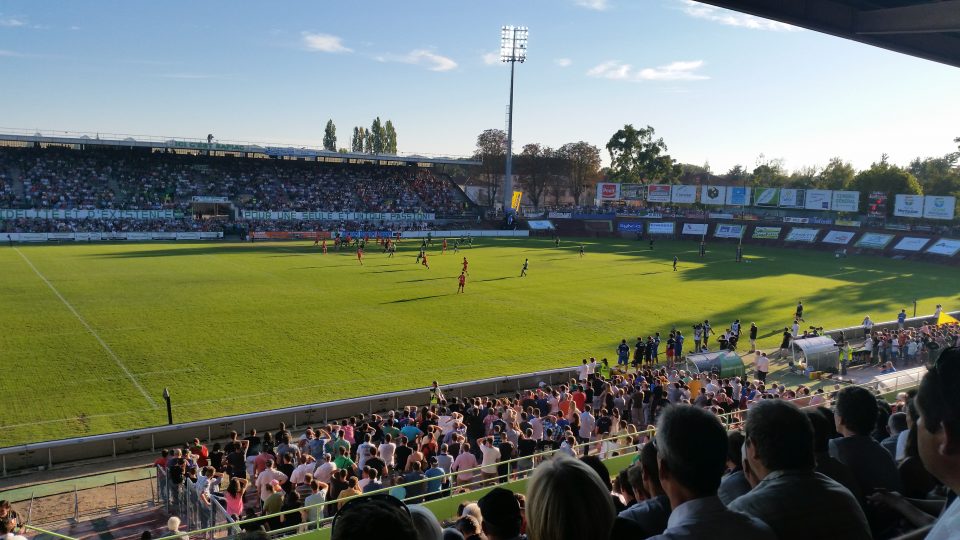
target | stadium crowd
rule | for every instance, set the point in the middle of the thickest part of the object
(734, 456)
(57, 178)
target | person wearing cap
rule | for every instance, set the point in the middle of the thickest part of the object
(501, 515)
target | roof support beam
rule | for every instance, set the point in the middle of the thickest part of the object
(916, 19)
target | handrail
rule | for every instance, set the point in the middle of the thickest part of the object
(51, 533)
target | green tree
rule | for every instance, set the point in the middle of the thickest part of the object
(356, 144)
(378, 135)
(390, 147)
(885, 178)
(330, 137)
(737, 175)
(805, 177)
(367, 141)
(636, 157)
(535, 167)
(583, 165)
(491, 152)
(837, 175)
(768, 173)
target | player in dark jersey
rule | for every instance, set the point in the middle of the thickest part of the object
(581, 250)
(526, 264)
(674, 263)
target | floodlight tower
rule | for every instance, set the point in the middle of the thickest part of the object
(513, 49)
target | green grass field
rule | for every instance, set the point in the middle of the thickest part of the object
(233, 328)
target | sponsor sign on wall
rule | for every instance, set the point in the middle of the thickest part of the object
(838, 237)
(791, 198)
(818, 199)
(766, 233)
(658, 193)
(911, 243)
(714, 195)
(728, 230)
(698, 229)
(789, 219)
(874, 240)
(660, 227)
(608, 192)
(846, 201)
(945, 246)
(766, 196)
(684, 194)
(337, 216)
(908, 206)
(938, 207)
(801, 234)
(738, 196)
(560, 215)
(847, 223)
(631, 192)
(540, 225)
(630, 226)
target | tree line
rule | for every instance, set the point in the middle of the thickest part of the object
(379, 138)
(638, 156)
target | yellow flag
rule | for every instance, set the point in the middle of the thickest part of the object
(946, 319)
(515, 203)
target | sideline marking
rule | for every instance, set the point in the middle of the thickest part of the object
(90, 329)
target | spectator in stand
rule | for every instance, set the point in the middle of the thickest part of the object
(647, 517)
(873, 467)
(734, 483)
(779, 463)
(691, 452)
(896, 424)
(501, 517)
(568, 501)
(374, 518)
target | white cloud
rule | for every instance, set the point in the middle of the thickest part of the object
(675, 71)
(491, 58)
(11, 54)
(324, 43)
(422, 57)
(732, 18)
(597, 5)
(563, 62)
(11, 22)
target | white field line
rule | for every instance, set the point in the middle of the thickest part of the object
(90, 329)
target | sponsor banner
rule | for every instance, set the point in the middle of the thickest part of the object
(660, 227)
(911, 243)
(818, 199)
(164, 236)
(336, 216)
(713, 195)
(789, 219)
(801, 234)
(630, 226)
(540, 225)
(142, 215)
(113, 236)
(516, 200)
(821, 221)
(874, 240)
(188, 236)
(684, 194)
(560, 215)
(139, 236)
(218, 234)
(791, 198)
(766, 233)
(33, 237)
(291, 235)
(838, 237)
(846, 201)
(631, 192)
(749, 217)
(87, 236)
(698, 229)
(728, 230)
(696, 215)
(846, 223)
(652, 215)
(738, 196)
(60, 236)
(208, 199)
(713, 215)
(897, 227)
(766, 196)
(197, 145)
(945, 246)
(937, 207)
(908, 206)
(658, 193)
(608, 192)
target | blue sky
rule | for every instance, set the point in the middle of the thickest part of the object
(720, 87)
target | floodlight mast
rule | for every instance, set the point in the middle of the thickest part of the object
(513, 49)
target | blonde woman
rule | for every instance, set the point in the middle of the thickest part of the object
(568, 501)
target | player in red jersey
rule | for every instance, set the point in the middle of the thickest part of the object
(463, 281)
(424, 262)
(316, 240)
(360, 255)
(323, 246)
(444, 246)
(465, 267)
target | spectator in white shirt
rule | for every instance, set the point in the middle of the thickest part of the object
(387, 449)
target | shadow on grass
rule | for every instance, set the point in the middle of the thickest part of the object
(415, 299)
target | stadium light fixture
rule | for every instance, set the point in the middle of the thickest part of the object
(513, 49)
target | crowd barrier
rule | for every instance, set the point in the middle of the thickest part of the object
(52, 453)
(100, 236)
